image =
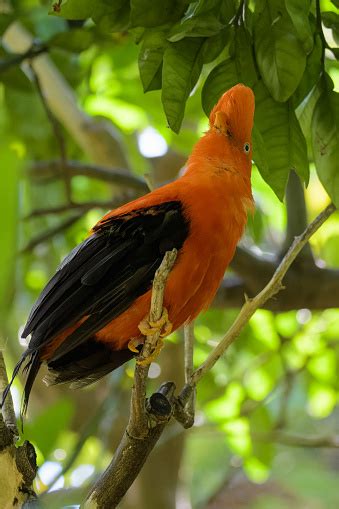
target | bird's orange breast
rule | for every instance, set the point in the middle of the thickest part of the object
(216, 211)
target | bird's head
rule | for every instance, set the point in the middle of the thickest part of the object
(232, 118)
(227, 145)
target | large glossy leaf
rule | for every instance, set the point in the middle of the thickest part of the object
(299, 13)
(312, 72)
(280, 55)
(325, 139)
(204, 25)
(220, 79)
(181, 70)
(283, 139)
(239, 67)
(150, 58)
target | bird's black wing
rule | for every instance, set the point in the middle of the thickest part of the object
(97, 281)
(104, 275)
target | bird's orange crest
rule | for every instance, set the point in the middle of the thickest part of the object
(233, 114)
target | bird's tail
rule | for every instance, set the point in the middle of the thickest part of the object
(32, 367)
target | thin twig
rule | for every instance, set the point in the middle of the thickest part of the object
(49, 211)
(143, 429)
(16, 59)
(189, 346)
(43, 237)
(119, 176)
(137, 425)
(294, 440)
(8, 408)
(272, 287)
(135, 448)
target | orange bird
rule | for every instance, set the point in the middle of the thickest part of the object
(91, 315)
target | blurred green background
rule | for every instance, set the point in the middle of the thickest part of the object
(266, 432)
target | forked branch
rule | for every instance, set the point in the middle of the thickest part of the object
(147, 422)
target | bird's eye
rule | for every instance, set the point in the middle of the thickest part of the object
(247, 147)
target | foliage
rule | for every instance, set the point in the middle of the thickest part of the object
(282, 373)
(277, 47)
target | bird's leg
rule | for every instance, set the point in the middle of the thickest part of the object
(149, 328)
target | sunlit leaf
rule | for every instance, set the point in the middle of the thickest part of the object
(238, 436)
(324, 366)
(322, 399)
(263, 327)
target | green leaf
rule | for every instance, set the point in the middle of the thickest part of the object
(335, 3)
(9, 196)
(263, 452)
(299, 13)
(220, 79)
(150, 59)
(325, 139)
(75, 9)
(181, 70)
(214, 45)
(284, 142)
(324, 366)
(330, 20)
(147, 13)
(237, 68)
(280, 55)
(243, 57)
(322, 399)
(112, 16)
(312, 72)
(75, 40)
(204, 25)
(109, 16)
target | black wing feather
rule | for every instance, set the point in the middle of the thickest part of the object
(105, 274)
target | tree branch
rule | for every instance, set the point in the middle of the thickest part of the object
(17, 464)
(146, 422)
(97, 139)
(43, 237)
(46, 169)
(295, 440)
(251, 305)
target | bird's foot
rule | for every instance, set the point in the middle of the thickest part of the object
(148, 360)
(134, 343)
(148, 327)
